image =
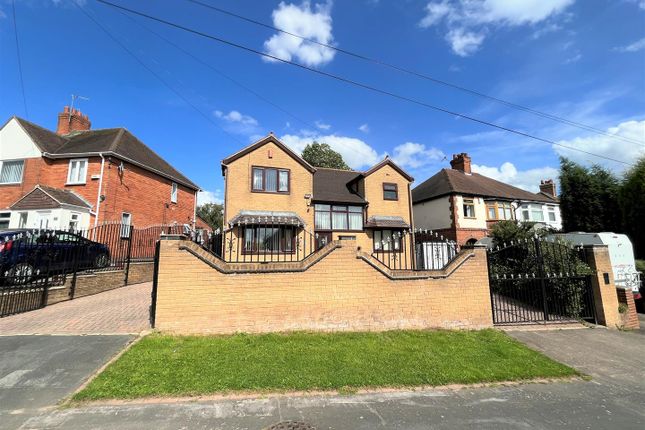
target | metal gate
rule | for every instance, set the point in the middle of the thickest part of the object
(537, 281)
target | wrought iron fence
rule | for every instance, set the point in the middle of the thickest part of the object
(535, 280)
(272, 241)
(431, 250)
(32, 261)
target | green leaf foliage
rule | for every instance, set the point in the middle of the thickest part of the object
(321, 155)
(632, 202)
(212, 214)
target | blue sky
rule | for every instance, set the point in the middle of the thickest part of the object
(582, 60)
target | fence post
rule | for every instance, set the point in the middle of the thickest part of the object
(129, 254)
(155, 277)
(540, 269)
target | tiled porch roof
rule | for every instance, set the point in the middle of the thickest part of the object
(381, 221)
(267, 217)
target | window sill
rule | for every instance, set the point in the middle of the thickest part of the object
(10, 183)
(283, 193)
(75, 183)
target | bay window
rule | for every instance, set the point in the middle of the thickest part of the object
(261, 240)
(270, 180)
(11, 171)
(338, 217)
(499, 210)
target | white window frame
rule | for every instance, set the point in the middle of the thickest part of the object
(22, 172)
(125, 226)
(174, 191)
(23, 216)
(80, 181)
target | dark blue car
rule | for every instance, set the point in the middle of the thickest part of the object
(26, 255)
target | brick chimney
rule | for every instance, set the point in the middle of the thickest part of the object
(71, 120)
(547, 186)
(461, 162)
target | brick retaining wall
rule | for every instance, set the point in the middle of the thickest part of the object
(341, 289)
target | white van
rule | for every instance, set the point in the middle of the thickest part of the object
(621, 254)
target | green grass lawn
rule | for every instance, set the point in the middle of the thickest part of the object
(161, 365)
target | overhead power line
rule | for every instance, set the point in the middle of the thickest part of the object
(22, 82)
(358, 84)
(419, 74)
(218, 71)
(151, 71)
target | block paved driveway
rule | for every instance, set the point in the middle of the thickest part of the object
(121, 311)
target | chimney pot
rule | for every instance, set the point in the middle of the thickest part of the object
(70, 120)
(461, 162)
(547, 186)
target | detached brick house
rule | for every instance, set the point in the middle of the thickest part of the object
(463, 206)
(274, 200)
(78, 178)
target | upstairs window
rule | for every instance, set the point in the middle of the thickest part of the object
(270, 180)
(336, 217)
(11, 171)
(77, 172)
(173, 193)
(469, 208)
(390, 191)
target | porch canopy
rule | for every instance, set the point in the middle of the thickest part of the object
(251, 217)
(382, 221)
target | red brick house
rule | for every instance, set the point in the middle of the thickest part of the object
(78, 178)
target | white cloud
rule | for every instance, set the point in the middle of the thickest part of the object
(321, 125)
(608, 146)
(311, 23)
(467, 21)
(415, 155)
(573, 59)
(204, 197)
(235, 116)
(356, 153)
(526, 179)
(633, 47)
(464, 43)
(364, 128)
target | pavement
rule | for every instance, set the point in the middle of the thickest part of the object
(36, 372)
(613, 399)
(123, 310)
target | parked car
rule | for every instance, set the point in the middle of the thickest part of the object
(26, 255)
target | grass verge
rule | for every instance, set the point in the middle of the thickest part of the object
(161, 365)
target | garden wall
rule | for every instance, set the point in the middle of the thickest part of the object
(338, 288)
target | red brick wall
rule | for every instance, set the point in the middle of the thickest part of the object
(137, 191)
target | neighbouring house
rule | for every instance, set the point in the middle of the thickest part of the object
(463, 206)
(76, 178)
(276, 203)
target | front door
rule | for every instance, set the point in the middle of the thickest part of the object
(322, 239)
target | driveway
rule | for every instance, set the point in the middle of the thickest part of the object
(36, 372)
(120, 311)
(612, 399)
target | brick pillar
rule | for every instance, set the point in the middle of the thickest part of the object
(602, 283)
(630, 317)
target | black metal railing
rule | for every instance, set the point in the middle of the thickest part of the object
(431, 250)
(539, 281)
(270, 241)
(33, 261)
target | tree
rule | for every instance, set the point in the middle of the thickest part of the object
(321, 155)
(212, 214)
(632, 202)
(507, 231)
(589, 198)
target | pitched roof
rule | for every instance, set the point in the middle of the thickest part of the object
(118, 142)
(43, 197)
(388, 161)
(270, 138)
(333, 185)
(451, 181)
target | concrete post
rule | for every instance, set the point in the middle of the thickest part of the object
(603, 286)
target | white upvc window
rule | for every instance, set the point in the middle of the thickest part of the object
(77, 173)
(173, 193)
(11, 171)
(126, 222)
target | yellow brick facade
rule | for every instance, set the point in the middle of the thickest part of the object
(341, 291)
